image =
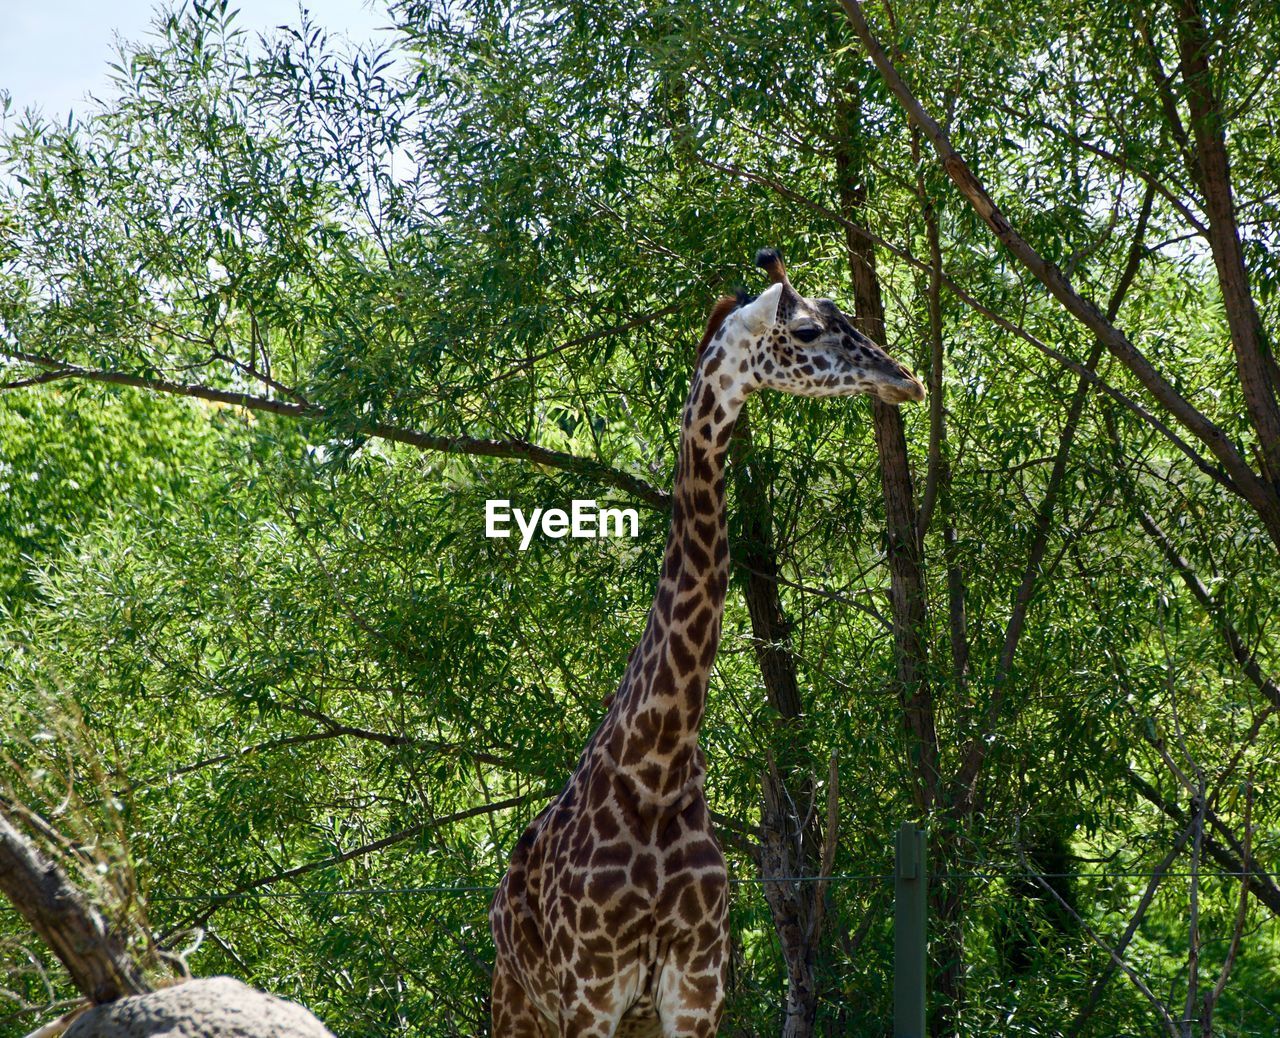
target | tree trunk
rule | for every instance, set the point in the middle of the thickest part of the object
(758, 561)
(1253, 364)
(906, 574)
(61, 917)
(782, 860)
(907, 592)
(789, 847)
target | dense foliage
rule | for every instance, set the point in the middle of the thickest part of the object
(281, 316)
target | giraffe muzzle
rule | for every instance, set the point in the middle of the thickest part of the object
(901, 389)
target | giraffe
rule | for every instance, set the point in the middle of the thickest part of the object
(612, 916)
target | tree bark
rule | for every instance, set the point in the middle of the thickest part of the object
(62, 918)
(1214, 173)
(789, 847)
(938, 481)
(906, 573)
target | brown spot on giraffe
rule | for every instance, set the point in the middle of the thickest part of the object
(612, 917)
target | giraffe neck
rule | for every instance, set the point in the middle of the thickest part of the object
(652, 728)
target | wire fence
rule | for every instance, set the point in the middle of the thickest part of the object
(420, 975)
(468, 887)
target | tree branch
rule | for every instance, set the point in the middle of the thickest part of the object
(1256, 491)
(61, 916)
(1261, 885)
(1112, 953)
(400, 836)
(979, 746)
(782, 190)
(521, 450)
(1209, 133)
(1144, 902)
(1247, 661)
(1119, 161)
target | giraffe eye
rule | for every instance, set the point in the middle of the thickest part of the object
(807, 332)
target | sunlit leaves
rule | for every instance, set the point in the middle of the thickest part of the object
(510, 223)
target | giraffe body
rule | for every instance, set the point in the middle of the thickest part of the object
(612, 916)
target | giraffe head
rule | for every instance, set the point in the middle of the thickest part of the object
(806, 347)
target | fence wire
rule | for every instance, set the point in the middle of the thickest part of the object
(463, 887)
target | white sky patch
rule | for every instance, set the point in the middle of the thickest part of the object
(55, 53)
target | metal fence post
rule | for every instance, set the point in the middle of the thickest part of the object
(910, 937)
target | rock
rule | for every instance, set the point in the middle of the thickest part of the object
(216, 1007)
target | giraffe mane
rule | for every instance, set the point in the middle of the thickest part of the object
(724, 306)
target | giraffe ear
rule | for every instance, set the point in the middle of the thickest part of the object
(760, 314)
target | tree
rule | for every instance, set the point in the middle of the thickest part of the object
(346, 297)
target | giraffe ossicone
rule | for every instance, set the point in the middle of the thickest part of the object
(612, 916)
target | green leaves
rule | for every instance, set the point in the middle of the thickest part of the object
(510, 224)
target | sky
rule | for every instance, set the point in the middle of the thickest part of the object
(53, 53)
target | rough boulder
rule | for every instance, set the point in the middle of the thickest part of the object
(216, 1007)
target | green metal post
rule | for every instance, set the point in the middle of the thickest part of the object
(910, 936)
